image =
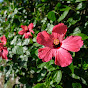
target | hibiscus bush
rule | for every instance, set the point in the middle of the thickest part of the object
(43, 44)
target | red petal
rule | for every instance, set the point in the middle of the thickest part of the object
(21, 32)
(59, 31)
(26, 35)
(3, 40)
(25, 28)
(45, 39)
(62, 57)
(32, 31)
(30, 26)
(45, 54)
(72, 43)
(60, 28)
(1, 46)
(5, 53)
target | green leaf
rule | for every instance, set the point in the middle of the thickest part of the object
(36, 52)
(84, 36)
(85, 66)
(57, 7)
(79, 6)
(40, 85)
(26, 42)
(43, 0)
(49, 28)
(75, 76)
(17, 50)
(51, 16)
(46, 64)
(36, 44)
(53, 77)
(41, 65)
(58, 86)
(14, 41)
(71, 21)
(51, 68)
(76, 85)
(64, 14)
(79, 0)
(57, 76)
(76, 31)
(41, 75)
(71, 66)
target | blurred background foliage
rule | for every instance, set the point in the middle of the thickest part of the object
(24, 69)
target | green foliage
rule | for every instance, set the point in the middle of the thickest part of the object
(76, 85)
(23, 63)
(64, 14)
(84, 36)
(51, 16)
(40, 85)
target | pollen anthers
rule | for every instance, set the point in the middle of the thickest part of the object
(56, 42)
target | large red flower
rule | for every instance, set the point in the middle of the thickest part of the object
(3, 51)
(26, 30)
(58, 47)
(3, 40)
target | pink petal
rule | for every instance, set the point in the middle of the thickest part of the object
(26, 35)
(5, 53)
(59, 31)
(45, 54)
(21, 32)
(62, 57)
(30, 26)
(3, 40)
(45, 39)
(1, 45)
(0, 54)
(32, 31)
(58, 36)
(60, 28)
(72, 43)
(25, 28)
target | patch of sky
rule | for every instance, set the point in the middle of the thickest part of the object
(1, 0)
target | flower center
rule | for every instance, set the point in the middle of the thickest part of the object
(56, 42)
(26, 28)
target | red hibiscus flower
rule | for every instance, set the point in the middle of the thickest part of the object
(26, 30)
(58, 47)
(3, 51)
(3, 40)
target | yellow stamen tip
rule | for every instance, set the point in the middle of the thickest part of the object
(56, 41)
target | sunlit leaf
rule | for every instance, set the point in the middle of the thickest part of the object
(64, 14)
(57, 76)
